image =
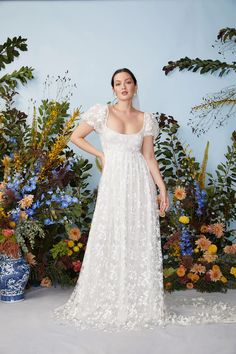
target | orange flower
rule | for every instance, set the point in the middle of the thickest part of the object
(217, 229)
(46, 282)
(215, 273)
(230, 249)
(204, 228)
(189, 285)
(181, 271)
(74, 234)
(30, 258)
(209, 257)
(23, 215)
(193, 277)
(27, 201)
(168, 285)
(198, 268)
(180, 193)
(203, 242)
(10, 248)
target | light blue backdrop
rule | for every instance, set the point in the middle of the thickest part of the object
(92, 39)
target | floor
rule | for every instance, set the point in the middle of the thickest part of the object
(27, 327)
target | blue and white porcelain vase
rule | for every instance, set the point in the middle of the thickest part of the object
(14, 274)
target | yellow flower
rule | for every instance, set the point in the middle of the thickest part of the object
(196, 250)
(80, 245)
(76, 249)
(212, 249)
(184, 219)
(69, 253)
(180, 193)
(70, 243)
(223, 279)
(12, 224)
(233, 271)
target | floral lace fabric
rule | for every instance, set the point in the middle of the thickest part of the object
(120, 285)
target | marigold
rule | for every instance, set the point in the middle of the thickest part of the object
(70, 243)
(184, 219)
(180, 193)
(181, 271)
(76, 249)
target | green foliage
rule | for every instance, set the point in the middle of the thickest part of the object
(218, 107)
(175, 164)
(60, 249)
(203, 66)
(8, 52)
(27, 232)
(222, 188)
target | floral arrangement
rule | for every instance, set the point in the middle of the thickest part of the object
(199, 247)
(42, 181)
(66, 256)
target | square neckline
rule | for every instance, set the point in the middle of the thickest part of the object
(114, 131)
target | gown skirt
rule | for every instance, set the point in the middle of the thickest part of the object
(120, 286)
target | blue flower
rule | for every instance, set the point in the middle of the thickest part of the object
(48, 222)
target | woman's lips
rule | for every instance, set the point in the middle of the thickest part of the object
(124, 93)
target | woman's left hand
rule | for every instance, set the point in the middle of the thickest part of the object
(163, 200)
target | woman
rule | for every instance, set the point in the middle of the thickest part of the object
(120, 285)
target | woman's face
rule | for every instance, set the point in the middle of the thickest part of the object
(124, 86)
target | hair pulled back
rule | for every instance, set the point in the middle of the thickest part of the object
(122, 71)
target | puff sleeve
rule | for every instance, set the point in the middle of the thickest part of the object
(94, 116)
(151, 125)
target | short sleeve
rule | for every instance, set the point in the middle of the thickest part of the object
(95, 116)
(151, 125)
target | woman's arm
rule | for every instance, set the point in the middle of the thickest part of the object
(148, 153)
(77, 138)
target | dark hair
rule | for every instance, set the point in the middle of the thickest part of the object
(121, 71)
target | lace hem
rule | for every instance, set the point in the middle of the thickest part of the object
(196, 310)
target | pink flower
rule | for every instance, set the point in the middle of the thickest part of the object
(77, 266)
(7, 232)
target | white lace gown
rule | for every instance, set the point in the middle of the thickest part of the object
(120, 285)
